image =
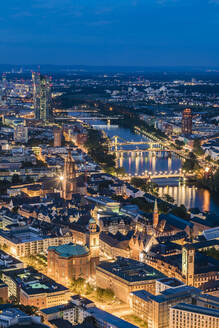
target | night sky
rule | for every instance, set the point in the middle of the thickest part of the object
(110, 32)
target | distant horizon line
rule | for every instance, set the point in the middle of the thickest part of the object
(115, 65)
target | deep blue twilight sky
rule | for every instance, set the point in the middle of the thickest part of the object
(110, 32)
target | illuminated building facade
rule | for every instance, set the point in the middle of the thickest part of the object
(155, 309)
(124, 276)
(36, 93)
(69, 185)
(155, 215)
(35, 289)
(75, 260)
(193, 316)
(188, 264)
(57, 137)
(42, 97)
(93, 244)
(27, 241)
(187, 121)
(68, 261)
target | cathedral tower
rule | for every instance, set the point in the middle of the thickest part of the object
(69, 181)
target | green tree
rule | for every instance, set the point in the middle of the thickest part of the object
(181, 212)
(16, 179)
(13, 299)
(104, 294)
(168, 198)
(191, 163)
(78, 285)
(197, 147)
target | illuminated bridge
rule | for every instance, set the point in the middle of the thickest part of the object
(156, 175)
(116, 141)
(83, 118)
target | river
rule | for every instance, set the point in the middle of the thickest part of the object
(137, 163)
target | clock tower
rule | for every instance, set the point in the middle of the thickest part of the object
(93, 243)
(188, 264)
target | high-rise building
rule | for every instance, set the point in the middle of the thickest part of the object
(4, 81)
(187, 121)
(57, 137)
(45, 98)
(36, 94)
(42, 97)
(69, 177)
(21, 134)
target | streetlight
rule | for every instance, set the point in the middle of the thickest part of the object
(61, 178)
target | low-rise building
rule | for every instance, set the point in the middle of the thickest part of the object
(3, 291)
(11, 316)
(69, 312)
(166, 283)
(26, 240)
(193, 316)
(155, 309)
(126, 275)
(33, 288)
(8, 262)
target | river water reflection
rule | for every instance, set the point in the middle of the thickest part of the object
(136, 163)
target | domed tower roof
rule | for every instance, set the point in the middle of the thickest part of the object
(91, 221)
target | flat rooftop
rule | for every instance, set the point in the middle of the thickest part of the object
(130, 270)
(167, 294)
(8, 261)
(109, 318)
(197, 309)
(34, 282)
(22, 236)
(171, 282)
(58, 308)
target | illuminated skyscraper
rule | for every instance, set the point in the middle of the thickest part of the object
(42, 97)
(36, 94)
(4, 81)
(187, 121)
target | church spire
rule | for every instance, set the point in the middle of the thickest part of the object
(155, 215)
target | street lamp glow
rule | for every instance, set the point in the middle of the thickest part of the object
(207, 169)
(61, 178)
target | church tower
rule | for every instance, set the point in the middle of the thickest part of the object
(69, 181)
(188, 264)
(93, 244)
(155, 215)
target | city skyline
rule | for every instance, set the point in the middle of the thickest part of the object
(123, 33)
(109, 164)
